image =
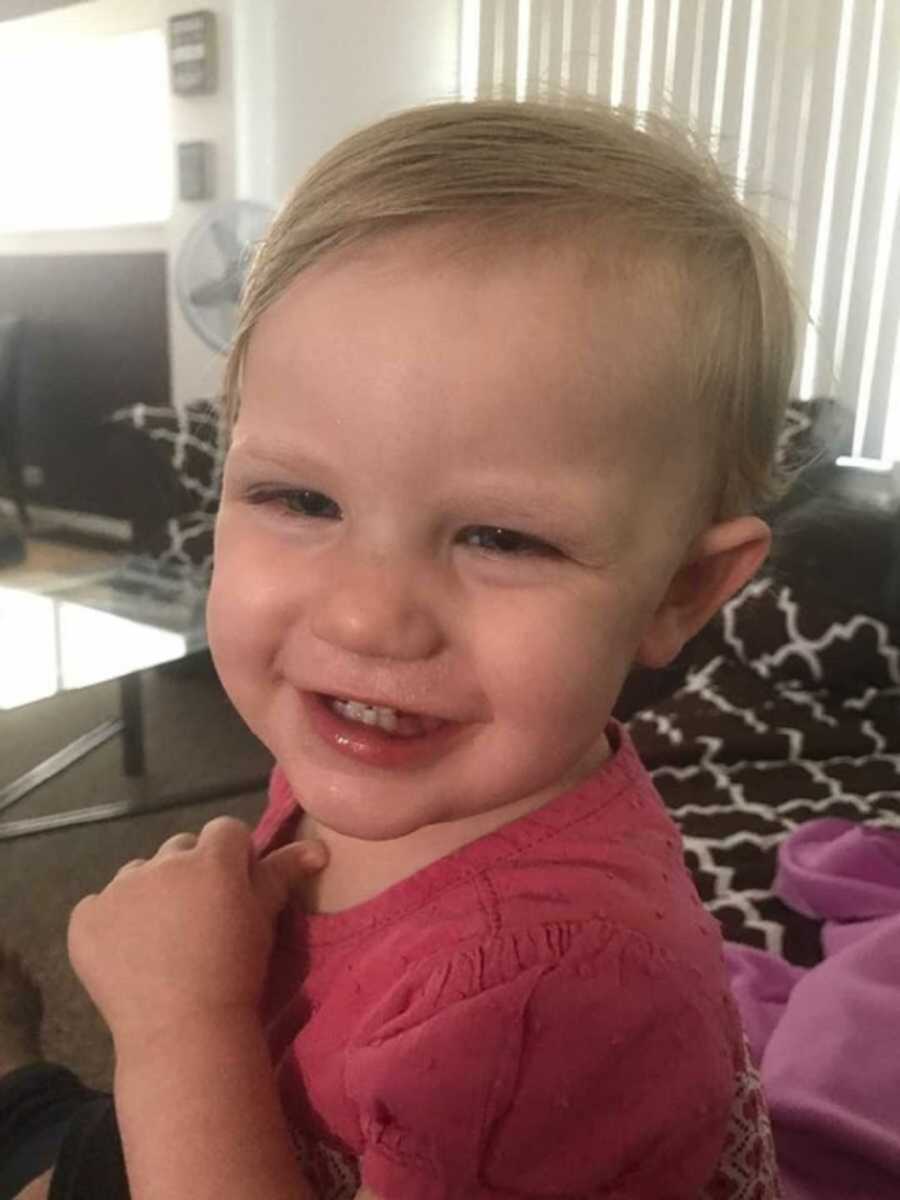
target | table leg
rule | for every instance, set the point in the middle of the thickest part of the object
(13, 792)
(132, 709)
(131, 727)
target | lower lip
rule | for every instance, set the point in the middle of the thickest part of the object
(370, 745)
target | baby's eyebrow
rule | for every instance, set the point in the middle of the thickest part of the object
(250, 453)
(510, 501)
(566, 495)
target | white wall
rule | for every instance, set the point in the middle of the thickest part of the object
(295, 75)
(195, 370)
(10, 9)
(308, 73)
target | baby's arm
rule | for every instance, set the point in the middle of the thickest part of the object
(174, 953)
(214, 1120)
(199, 1114)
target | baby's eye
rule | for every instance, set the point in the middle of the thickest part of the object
(301, 502)
(505, 541)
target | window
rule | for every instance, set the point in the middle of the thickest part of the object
(85, 139)
(801, 102)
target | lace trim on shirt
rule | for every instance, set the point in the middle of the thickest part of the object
(332, 1174)
(747, 1169)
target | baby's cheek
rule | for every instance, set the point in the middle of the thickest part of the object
(556, 678)
(585, 675)
(221, 628)
(238, 628)
(246, 585)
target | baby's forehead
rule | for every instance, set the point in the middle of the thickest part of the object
(600, 251)
(584, 330)
(580, 266)
(543, 266)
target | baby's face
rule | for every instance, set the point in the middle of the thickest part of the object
(450, 494)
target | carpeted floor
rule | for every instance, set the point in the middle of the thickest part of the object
(194, 738)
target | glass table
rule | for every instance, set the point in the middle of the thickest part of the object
(59, 632)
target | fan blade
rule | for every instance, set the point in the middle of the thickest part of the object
(226, 240)
(226, 290)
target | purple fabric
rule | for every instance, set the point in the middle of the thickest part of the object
(827, 1040)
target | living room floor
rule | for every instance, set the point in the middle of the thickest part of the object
(194, 739)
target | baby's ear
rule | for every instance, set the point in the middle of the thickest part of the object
(719, 563)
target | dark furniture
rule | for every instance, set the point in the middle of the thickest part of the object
(786, 708)
(12, 329)
(91, 338)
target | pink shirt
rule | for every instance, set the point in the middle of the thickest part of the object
(544, 1012)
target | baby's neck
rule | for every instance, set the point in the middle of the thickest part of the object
(358, 870)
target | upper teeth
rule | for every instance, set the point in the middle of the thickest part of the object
(369, 714)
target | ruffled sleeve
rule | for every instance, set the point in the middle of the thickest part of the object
(607, 1070)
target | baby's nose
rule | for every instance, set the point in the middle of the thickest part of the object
(379, 611)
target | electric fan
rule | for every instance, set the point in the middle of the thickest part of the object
(211, 266)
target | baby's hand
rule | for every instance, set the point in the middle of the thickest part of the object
(188, 933)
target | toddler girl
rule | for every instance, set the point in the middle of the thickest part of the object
(502, 403)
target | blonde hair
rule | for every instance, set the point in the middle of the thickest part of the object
(568, 168)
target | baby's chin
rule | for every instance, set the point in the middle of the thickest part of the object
(354, 819)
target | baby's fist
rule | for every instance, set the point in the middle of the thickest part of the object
(188, 933)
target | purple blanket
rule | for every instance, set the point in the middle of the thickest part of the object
(827, 1039)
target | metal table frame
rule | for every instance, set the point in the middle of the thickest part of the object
(130, 724)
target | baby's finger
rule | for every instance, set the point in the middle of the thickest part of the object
(228, 837)
(285, 872)
(135, 862)
(177, 843)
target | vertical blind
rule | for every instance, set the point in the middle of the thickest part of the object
(800, 103)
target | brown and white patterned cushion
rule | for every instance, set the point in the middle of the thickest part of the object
(190, 442)
(792, 714)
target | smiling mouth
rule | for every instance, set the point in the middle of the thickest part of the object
(392, 721)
